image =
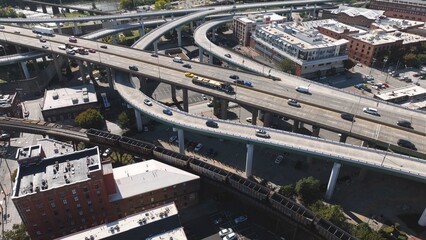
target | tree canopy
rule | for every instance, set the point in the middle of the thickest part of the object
(18, 232)
(90, 118)
(308, 189)
(287, 66)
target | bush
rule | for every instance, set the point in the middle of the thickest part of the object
(332, 213)
(287, 190)
(14, 175)
(363, 231)
(90, 118)
(308, 189)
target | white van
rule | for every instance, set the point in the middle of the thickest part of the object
(177, 59)
(302, 89)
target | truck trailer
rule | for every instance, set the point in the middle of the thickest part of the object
(43, 30)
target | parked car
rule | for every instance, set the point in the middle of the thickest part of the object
(45, 46)
(167, 112)
(406, 143)
(147, 102)
(173, 139)
(225, 232)
(107, 152)
(42, 40)
(133, 68)
(92, 50)
(293, 102)
(231, 236)
(347, 116)
(240, 219)
(72, 39)
(371, 111)
(4, 136)
(198, 147)
(249, 119)
(404, 123)
(279, 159)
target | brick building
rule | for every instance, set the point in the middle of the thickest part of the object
(9, 105)
(407, 9)
(243, 26)
(365, 47)
(352, 16)
(67, 193)
(335, 29)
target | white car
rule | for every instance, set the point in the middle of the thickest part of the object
(225, 231)
(293, 102)
(371, 111)
(240, 219)
(279, 159)
(62, 47)
(230, 236)
(249, 119)
(198, 147)
(147, 102)
(172, 139)
(107, 152)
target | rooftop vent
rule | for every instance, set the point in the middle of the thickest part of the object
(74, 100)
(55, 95)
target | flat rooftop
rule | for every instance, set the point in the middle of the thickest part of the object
(353, 12)
(57, 171)
(28, 152)
(6, 100)
(178, 234)
(161, 220)
(70, 96)
(53, 147)
(378, 37)
(261, 18)
(332, 25)
(410, 92)
(395, 24)
(149, 176)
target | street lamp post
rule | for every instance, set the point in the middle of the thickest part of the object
(2, 219)
(371, 67)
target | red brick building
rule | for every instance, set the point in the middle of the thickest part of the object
(352, 16)
(407, 9)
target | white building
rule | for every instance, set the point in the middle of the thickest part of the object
(312, 52)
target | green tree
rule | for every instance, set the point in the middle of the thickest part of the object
(90, 118)
(18, 232)
(126, 4)
(287, 190)
(410, 60)
(123, 120)
(308, 189)
(160, 4)
(348, 64)
(287, 66)
(363, 231)
(333, 213)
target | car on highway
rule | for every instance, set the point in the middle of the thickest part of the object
(177, 59)
(371, 111)
(147, 102)
(17, 32)
(104, 46)
(225, 231)
(274, 78)
(26, 113)
(188, 74)
(91, 50)
(279, 159)
(240, 219)
(72, 39)
(186, 65)
(153, 54)
(406, 143)
(45, 46)
(233, 76)
(167, 112)
(42, 40)
(249, 119)
(173, 139)
(70, 51)
(4, 136)
(404, 123)
(211, 123)
(133, 68)
(293, 102)
(228, 55)
(107, 152)
(1, 27)
(262, 133)
(62, 47)
(198, 147)
(347, 116)
(248, 84)
(238, 81)
(231, 236)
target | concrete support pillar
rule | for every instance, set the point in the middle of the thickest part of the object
(301, 125)
(343, 138)
(185, 100)
(110, 73)
(179, 36)
(76, 29)
(214, 34)
(200, 54)
(315, 131)
(25, 70)
(89, 67)
(156, 47)
(18, 49)
(295, 128)
(43, 7)
(36, 67)
(142, 29)
(216, 106)
(44, 59)
(210, 58)
(249, 159)
(223, 109)
(332, 181)
(58, 26)
(143, 84)
(422, 220)
(82, 71)
(173, 90)
(138, 120)
(191, 25)
(254, 114)
(55, 10)
(181, 140)
(114, 38)
(261, 114)
(267, 117)
(57, 67)
(315, 10)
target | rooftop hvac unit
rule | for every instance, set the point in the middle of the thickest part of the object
(74, 100)
(85, 98)
(55, 95)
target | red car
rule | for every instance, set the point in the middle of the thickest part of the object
(92, 50)
(72, 39)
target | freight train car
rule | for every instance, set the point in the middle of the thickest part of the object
(136, 146)
(249, 187)
(171, 157)
(208, 170)
(98, 136)
(291, 209)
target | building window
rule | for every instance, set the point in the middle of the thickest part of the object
(76, 198)
(98, 192)
(65, 202)
(152, 199)
(52, 204)
(85, 189)
(74, 191)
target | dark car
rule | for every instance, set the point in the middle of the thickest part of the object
(239, 81)
(406, 143)
(5, 136)
(186, 65)
(404, 123)
(104, 46)
(233, 76)
(167, 112)
(211, 123)
(133, 68)
(347, 116)
(42, 40)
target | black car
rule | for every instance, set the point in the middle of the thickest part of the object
(133, 68)
(239, 81)
(211, 123)
(104, 46)
(407, 144)
(234, 76)
(347, 116)
(404, 123)
(186, 65)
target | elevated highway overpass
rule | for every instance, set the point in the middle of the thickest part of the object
(322, 108)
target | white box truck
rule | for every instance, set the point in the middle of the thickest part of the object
(43, 30)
